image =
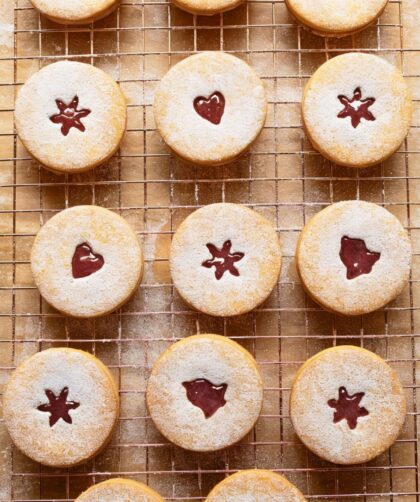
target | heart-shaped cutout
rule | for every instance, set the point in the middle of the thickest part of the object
(211, 108)
(85, 261)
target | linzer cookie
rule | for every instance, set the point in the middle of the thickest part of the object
(205, 393)
(353, 257)
(206, 7)
(86, 261)
(210, 107)
(119, 490)
(255, 485)
(61, 406)
(330, 18)
(70, 116)
(225, 259)
(75, 11)
(347, 405)
(357, 109)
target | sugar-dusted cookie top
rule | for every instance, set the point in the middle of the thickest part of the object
(119, 490)
(75, 11)
(61, 406)
(205, 393)
(210, 107)
(357, 109)
(225, 259)
(347, 405)
(255, 485)
(70, 116)
(86, 261)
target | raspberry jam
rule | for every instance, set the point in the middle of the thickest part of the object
(85, 261)
(357, 258)
(206, 396)
(211, 108)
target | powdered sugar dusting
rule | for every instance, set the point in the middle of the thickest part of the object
(120, 490)
(76, 10)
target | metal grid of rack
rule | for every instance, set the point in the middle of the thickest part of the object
(282, 177)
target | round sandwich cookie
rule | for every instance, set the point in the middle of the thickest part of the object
(207, 7)
(119, 490)
(210, 107)
(75, 11)
(347, 405)
(205, 393)
(255, 485)
(357, 110)
(86, 261)
(61, 407)
(225, 259)
(332, 18)
(70, 116)
(353, 257)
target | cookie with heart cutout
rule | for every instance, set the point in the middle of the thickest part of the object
(61, 407)
(331, 19)
(225, 259)
(205, 393)
(357, 110)
(353, 257)
(70, 116)
(86, 261)
(119, 490)
(210, 107)
(255, 485)
(347, 405)
(76, 11)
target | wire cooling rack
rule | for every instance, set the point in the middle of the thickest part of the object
(282, 177)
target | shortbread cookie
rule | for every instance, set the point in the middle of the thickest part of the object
(86, 261)
(353, 257)
(225, 259)
(255, 485)
(61, 406)
(357, 109)
(207, 7)
(347, 405)
(119, 490)
(75, 11)
(205, 393)
(210, 107)
(70, 116)
(332, 18)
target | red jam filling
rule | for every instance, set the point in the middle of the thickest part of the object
(58, 406)
(85, 261)
(211, 108)
(357, 258)
(223, 260)
(69, 116)
(356, 108)
(347, 407)
(206, 396)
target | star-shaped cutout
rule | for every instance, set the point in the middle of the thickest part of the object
(206, 396)
(356, 108)
(223, 260)
(357, 258)
(347, 407)
(58, 407)
(69, 116)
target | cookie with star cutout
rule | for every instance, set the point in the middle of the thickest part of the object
(225, 259)
(347, 405)
(357, 110)
(205, 393)
(255, 485)
(331, 19)
(353, 257)
(86, 261)
(119, 490)
(210, 107)
(76, 11)
(70, 116)
(61, 407)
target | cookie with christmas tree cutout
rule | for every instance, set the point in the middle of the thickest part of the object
(205, 393)
(61, 407)
(357, 110)
(119, 490)
(347, 405)
(353, 257)
(70, 116)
